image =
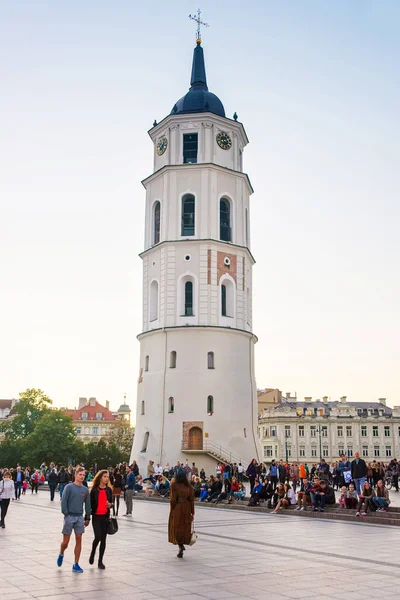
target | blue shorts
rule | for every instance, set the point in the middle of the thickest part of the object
(73, 523)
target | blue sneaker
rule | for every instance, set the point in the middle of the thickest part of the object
(60, 559)
(76, 568)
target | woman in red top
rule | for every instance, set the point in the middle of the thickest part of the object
(101, 501)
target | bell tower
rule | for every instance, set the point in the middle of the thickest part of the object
(197, 396)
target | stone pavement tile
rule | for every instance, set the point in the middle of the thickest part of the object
(58, 597)
(215, 594)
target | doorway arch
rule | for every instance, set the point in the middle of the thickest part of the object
(195, 438)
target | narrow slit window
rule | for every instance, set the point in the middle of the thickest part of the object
(210, 360)
(145, 442)
(156, 222)
(171, 405)
(154, 300)
(142, 408)
(172, 360)
(188, 299)
(146, 363)
(223, 300)
(210, 405)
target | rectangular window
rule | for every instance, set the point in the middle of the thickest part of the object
(340, 450)
(350, 453)
(272, 431)
(313, 452)
(365, 451)
(287, 431)
(324, 431)
(313, 431)
(340, 431)
(78, 430)
(301, 430)
(325, 452)
(364, 432)
(267, 451)
(171, 405)
(146, 363)
(398, 430)
(223, 300)
(302, 452)
(375, 431)
(99, 416)
(190, 145)
(388, 451)
(349, 431)
(376, 451)
(387, 430)
(84, 416)
(95, 430)
(289, 452)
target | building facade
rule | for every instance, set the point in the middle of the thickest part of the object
(197, 344)
(92, 420)
(5, 409)
(310, 430)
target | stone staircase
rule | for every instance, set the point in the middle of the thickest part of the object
(391, 517)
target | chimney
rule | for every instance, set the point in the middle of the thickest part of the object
(307, 398)
(288, 395)
(343, 399)
(325, 399)
(82, 402)
(382, 401)
(107, 404)
(92, 401)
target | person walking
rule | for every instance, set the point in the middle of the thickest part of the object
(116, 490)
(18, 477)
(35, 481)
(75, 497)
(359, 472)
(53, 481)
(130, 490)
(7, 492)
(63, 479)
(181, 512)
(101, 500)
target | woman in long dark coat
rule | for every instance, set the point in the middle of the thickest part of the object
(181, 512)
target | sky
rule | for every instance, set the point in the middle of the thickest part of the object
(316, 86)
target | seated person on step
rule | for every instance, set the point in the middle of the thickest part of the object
(303, 496)
(288, 499)
(214, 489)
(255, 495)
(365, 500)
(351, 499)
(381, 501)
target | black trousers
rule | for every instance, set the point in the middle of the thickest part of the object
(100, 528)
(4, 508)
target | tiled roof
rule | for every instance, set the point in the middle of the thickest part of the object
(334, 404)
(5, 403)
(91, 412)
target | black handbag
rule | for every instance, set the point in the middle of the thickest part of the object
(112, 526)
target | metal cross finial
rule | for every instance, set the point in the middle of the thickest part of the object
(199, 22)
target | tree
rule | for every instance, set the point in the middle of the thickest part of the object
(53, 439)
(32, 406)
(11, 453)
(120, 433)
(102, 454)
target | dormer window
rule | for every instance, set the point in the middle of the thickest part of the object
(84, 416)
(99, 416)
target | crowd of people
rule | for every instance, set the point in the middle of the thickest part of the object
(361, 487)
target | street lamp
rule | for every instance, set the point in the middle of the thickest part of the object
(320, 442)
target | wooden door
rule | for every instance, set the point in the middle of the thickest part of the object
(195, 439)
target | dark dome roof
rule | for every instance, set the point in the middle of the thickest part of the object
(198, 99)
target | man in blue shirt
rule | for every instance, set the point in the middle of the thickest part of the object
(130, 490)
(18, 478)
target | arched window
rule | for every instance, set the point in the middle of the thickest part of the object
(188, 215)
(153, 301)
(227, 298)
(146, 363)
(142, 408)
(171, 404)
(172, 360)
(225, 220)
(156, 222)
(145, 441)
(210, 405)
(210, 360)
(223, 300)
(189, 299)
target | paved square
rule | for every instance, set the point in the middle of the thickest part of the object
(238, 555)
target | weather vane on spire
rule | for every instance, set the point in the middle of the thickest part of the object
(199, 22)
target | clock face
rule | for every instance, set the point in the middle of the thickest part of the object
(162, 145)
(224, 141)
